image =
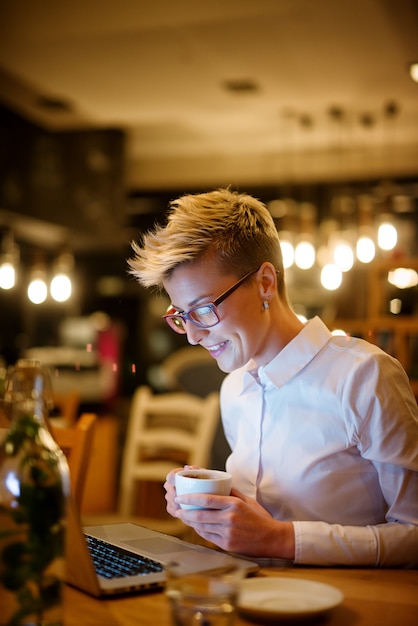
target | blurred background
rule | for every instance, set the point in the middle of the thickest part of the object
(110, 110)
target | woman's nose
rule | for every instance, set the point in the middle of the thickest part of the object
(194, 333)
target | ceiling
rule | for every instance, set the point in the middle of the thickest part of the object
(223, 92)
(236, 92)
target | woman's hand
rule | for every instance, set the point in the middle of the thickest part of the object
(235, 523)
(169, 486)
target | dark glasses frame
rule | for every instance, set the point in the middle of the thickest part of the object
(175, 319)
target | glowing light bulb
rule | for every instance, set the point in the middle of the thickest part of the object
(37, 291)
(403, 278)
(7, 276)
(331, 277)
(365, 249)
(413, 71)
(304, 255)
(395, 306)
(287, 248)
(61, 288)
(387, 236)
(343, 256)
(288, 253)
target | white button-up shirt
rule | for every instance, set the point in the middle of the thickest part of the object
(326, 436)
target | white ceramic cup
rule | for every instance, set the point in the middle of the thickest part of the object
(202, 481)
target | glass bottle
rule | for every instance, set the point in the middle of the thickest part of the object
(34, 487)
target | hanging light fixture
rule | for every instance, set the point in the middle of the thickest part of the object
(341, 239)
(413, 72)
(331, 277)
(288, 250)
(285, 211)
(305, 252)
(7, 275)
(387, 235)
(61, 285)
(37, 288)
(365, 246)
(403, 277)
(8, 261)
(343, 254)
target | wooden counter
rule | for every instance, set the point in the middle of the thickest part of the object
(372, 597)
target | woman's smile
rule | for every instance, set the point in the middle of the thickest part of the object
(217, 349)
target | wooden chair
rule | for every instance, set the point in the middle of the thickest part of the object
(76, 442)
(65, 407)
(164, 431)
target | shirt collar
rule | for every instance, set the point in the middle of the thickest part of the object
(292, 358)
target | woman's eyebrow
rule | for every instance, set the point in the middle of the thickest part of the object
(193, 303)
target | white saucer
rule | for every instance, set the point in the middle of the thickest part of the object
(279, 597)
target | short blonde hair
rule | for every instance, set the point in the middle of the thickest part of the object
(236, 230)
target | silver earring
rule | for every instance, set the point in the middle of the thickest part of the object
(266, 304)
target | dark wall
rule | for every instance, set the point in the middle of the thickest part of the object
(73, 178)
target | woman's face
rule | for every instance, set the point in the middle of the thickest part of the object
(242, 333)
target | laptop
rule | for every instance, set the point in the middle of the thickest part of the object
(136, 548)
(141, 554)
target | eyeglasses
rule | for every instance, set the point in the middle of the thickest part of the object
(204, 315)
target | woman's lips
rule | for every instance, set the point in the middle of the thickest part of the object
(216, 350)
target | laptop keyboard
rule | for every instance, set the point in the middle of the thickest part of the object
(113, 562)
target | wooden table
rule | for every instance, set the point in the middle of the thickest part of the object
(372, 597)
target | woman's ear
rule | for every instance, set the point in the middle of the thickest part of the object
(267, 281)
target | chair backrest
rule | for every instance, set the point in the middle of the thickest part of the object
(76, 442)
(193, 370)
(165, 431)
(66, 406)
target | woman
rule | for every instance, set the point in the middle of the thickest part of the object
(323, 430)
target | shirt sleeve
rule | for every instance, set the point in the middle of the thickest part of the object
(388, 438)
(385, 545)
